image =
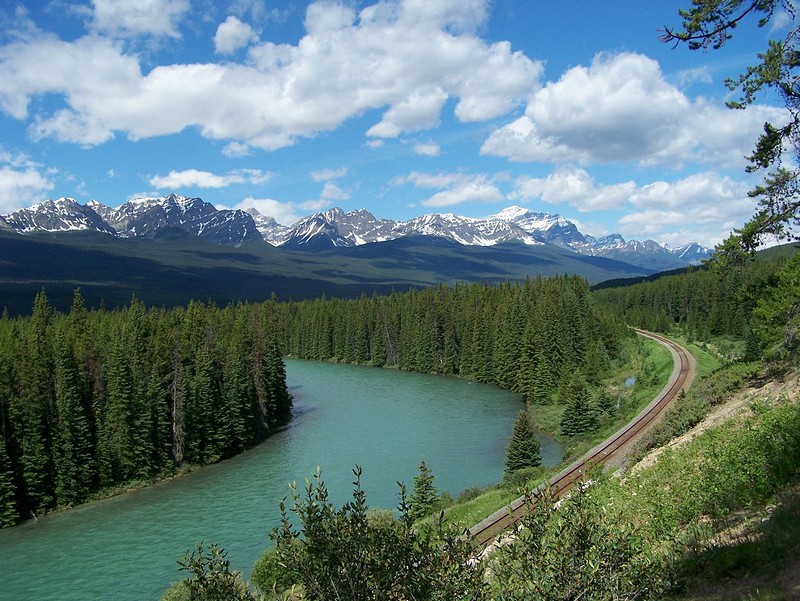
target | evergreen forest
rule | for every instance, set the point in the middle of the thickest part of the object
(95, 400)
(91, 400)
(527, 337)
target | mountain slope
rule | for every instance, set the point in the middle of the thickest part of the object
(335, 228)
(171, 270)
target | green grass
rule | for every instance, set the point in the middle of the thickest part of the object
(652, 359)
(473, 511)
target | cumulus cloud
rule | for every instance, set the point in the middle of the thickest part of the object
(232, 35)
(405, 57)
(575, 187)
(621, 108)
(129, 18)
(457, 188)
(205, 179)
(331, 191)
(284, 212)
(700, 207)
(428, 149)
(21, 183)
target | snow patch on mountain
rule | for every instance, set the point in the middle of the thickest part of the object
(148, 216)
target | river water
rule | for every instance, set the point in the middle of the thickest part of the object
(386, 421)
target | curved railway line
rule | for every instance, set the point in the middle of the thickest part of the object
(485, 532)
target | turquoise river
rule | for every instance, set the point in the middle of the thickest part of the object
(386, 421)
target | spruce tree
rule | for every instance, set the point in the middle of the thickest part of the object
(424, 497)
(114, 432)
(73, 453)
(36, 408)
(524, 449)
(8, 505)
(580, 415)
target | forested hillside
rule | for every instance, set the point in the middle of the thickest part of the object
(755, 302)
(93, 399)
(526, 337)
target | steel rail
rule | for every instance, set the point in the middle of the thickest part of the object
(486, 531)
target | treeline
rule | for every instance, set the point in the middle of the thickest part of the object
(528, 337)
(94, 399)
(700, 303)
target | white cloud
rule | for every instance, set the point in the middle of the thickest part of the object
(21, 187)
(419, 111)
(573, 186)
(405, 57)
(328, 174)
(314, 205)
(702, 207)
(457, 188)
(430, 180)
(232, 35)
(698, 74)
(621, 108)
(126, 18)
(468, 191)
(331, 191)
(428, 149)
(285, 213)
(236, 150)
(205, 179)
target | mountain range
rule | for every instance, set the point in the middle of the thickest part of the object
(150, 218)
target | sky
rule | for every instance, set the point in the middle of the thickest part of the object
(401, 107)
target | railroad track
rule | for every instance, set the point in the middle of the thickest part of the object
(484, 533)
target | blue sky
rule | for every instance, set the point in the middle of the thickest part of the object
(402, 107)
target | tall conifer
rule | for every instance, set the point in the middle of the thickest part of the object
(524, 449)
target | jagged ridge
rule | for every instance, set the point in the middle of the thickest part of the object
(335, 228)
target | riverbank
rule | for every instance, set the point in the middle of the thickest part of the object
(127, 546)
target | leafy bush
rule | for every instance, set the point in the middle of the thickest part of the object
(211, 578)
(577, 549)
(343, 554)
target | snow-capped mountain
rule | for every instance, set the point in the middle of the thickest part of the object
(335, 228)
(339, 229)
(61, 215)
(269, 228)
(554, 229)
(138, 218)
(467, 231)
(550, 229)
(149, 217)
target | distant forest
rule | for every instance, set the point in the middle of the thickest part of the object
(522, 337)
(738, 301)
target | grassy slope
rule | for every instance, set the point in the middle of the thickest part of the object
(724, 496)
(547, 419)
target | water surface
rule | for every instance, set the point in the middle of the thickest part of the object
(385, 421)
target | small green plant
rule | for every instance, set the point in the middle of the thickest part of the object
(211, 578)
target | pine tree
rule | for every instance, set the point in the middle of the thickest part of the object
(36, 409)
(73, 457)
(580, 415)
(8, 505)
(524, 449)
(424, 497)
